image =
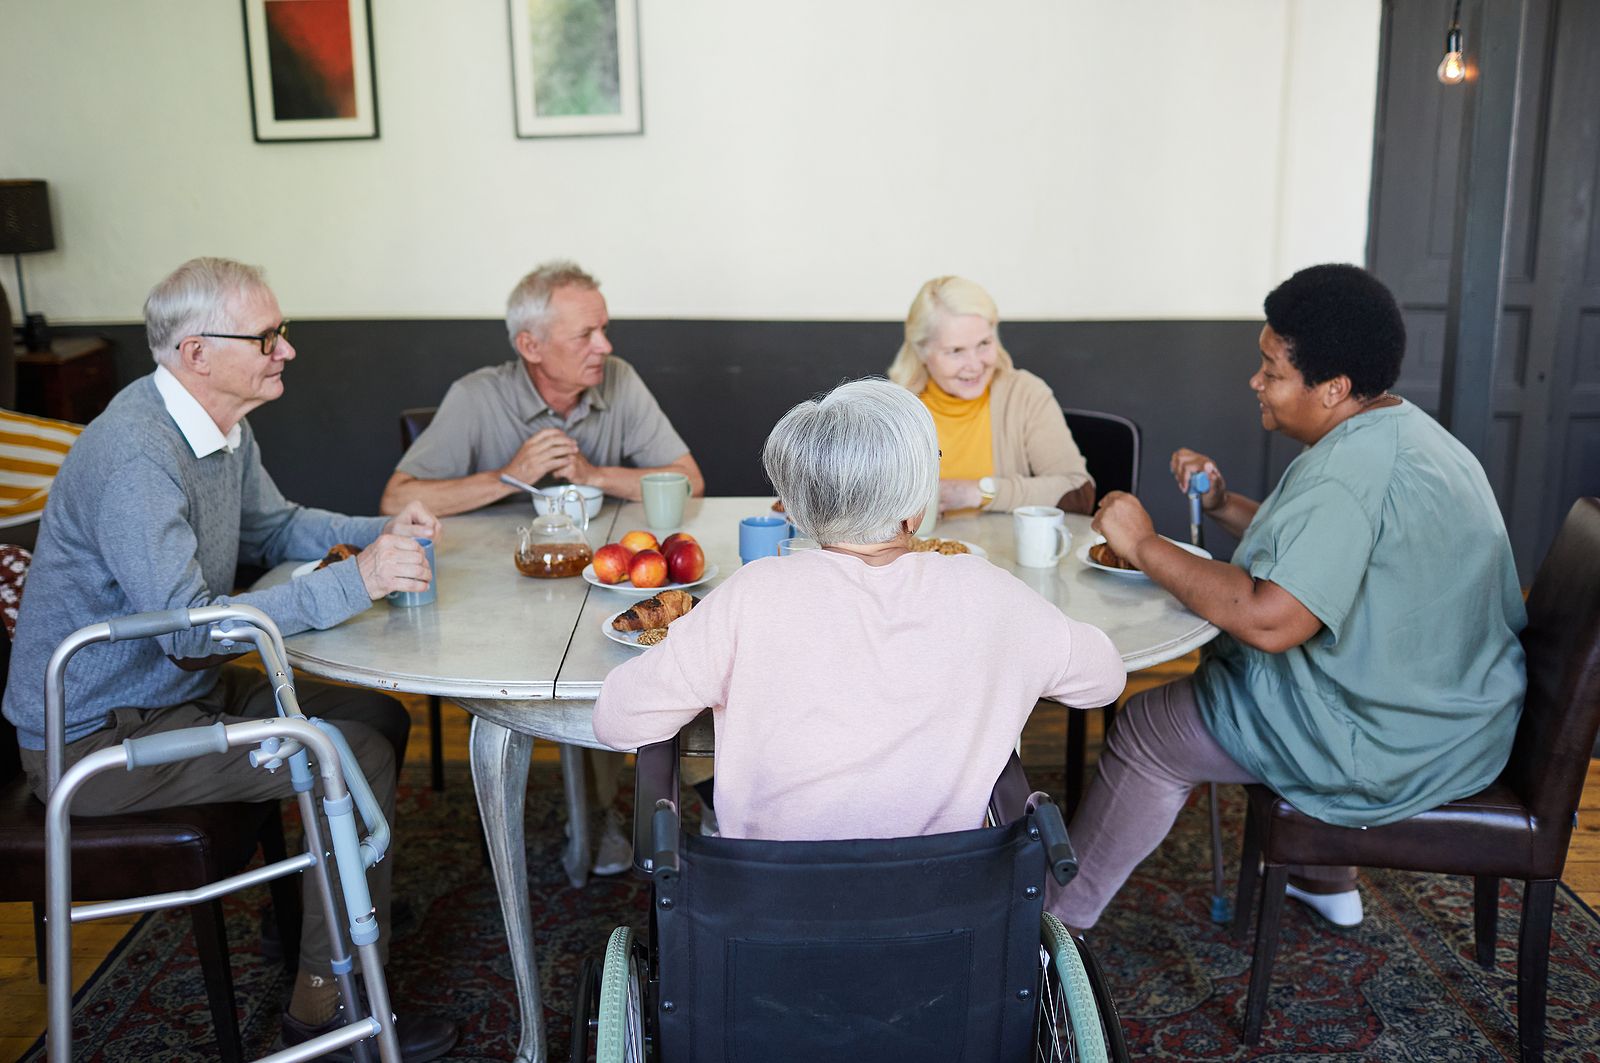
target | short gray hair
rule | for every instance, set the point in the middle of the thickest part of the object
(528, 305)
(852, 465)
(192, 299)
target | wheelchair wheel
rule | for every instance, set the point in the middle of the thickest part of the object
(585, 1011)
(620, 1037)
(1068, 1025)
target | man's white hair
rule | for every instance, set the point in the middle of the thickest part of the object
(194, 298)
(853, 464)
(528, 306)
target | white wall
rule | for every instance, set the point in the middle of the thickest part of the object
(819, 160)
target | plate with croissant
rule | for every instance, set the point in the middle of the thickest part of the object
(645, 622)
(1099, 554)
(339, 552)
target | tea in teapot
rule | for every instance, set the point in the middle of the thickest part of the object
(553, 546)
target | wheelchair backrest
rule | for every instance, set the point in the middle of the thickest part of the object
(866, 951)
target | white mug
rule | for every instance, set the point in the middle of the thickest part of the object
(1039, 531)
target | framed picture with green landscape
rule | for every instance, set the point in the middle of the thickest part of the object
(575, 67)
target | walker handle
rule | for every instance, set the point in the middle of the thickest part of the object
(148, 625)
(175, 745)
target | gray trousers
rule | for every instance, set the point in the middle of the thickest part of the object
(375, 725)
(1156, 754)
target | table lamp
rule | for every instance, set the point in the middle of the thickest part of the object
(24, 229)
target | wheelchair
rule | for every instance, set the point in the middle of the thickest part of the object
(866, 951)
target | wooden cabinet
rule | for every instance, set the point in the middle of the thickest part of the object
(72, 381)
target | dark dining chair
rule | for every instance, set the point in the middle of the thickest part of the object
(1519, 827)
(135, 853)
(1110, 444)
(413, 422)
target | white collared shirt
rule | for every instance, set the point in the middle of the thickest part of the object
(199, 430)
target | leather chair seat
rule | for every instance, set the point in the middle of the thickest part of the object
(1490, 833)
(128, 855)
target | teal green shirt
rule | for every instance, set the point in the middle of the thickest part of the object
(1408, 697)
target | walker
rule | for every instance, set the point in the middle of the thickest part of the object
(288, 739)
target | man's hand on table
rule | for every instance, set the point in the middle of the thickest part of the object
(393, 563)
(413, 521)
(546, 451)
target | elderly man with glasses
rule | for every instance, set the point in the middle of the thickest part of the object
(154, 507)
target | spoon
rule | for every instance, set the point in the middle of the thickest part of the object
(507, 478)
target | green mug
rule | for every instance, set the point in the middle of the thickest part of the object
(664, 495)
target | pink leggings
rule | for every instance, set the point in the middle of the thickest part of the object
(1158, 751)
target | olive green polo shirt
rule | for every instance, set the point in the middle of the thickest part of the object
(1409, 695)
(489, 413)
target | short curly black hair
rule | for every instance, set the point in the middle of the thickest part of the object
(1340, 319)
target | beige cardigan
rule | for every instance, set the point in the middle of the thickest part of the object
(1036, 460)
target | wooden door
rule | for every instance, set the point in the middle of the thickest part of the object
(1544, 448)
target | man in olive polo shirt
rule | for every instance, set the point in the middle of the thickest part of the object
(565, 408)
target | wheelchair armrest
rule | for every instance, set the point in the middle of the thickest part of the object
(1058, 851)
(655, 780)
(664, 827)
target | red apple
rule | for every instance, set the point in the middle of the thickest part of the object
(639, 540)
(687, 562)
(648, 569)
(611, 563)
(673, 541)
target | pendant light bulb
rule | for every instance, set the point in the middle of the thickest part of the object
(1453, 68)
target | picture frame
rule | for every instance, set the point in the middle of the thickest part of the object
(310, 70)
(575, 67)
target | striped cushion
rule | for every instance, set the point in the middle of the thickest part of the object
(31, 449)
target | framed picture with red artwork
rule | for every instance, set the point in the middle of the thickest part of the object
(310, 67)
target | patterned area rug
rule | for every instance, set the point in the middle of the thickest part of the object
(1403, 986)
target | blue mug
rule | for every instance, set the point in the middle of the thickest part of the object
(760, 536)
(420, 597)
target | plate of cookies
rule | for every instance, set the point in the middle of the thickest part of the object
(948, 547)
(1098, 554)
(644, 623)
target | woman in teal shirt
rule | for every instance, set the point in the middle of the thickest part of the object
(1369, 666)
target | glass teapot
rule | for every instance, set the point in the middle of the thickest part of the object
(554, 546)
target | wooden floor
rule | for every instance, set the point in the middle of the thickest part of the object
(22, 1016)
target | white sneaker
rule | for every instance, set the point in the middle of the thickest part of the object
(1340, 909)
(614, 854)
(708, 823)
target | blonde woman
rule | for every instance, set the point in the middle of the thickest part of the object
(1002, 435)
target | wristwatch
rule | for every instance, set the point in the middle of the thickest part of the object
(985, 492)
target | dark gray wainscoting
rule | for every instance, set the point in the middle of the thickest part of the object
(332, 440)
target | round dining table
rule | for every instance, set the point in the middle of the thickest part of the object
(526, 657)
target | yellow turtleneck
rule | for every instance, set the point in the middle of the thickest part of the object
(966, 437)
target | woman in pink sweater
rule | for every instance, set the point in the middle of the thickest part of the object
(861, 690)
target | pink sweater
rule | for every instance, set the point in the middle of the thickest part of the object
(859, 702)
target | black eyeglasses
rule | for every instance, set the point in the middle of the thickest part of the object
(268, 339)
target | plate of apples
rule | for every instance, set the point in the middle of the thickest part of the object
(638, 564)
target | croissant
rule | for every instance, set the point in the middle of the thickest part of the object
(339, 553)
(657, 611)
(1102, 554)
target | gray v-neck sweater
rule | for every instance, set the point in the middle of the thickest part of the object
(136, 522)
